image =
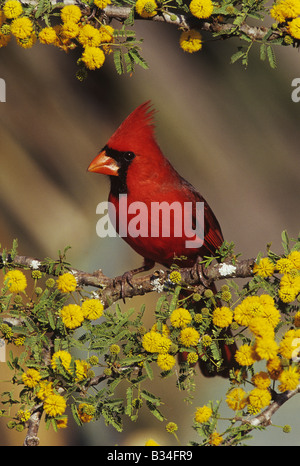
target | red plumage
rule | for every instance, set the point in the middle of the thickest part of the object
(138, 169)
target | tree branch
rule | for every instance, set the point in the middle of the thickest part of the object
(110, 289)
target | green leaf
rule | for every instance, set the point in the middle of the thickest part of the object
(237, 56)
(263, 51)
(285, 242)
(118, 61)
(271, 57)
(148, 370)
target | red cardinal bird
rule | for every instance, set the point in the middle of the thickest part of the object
(138, 169)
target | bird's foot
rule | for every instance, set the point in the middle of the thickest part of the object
(127, 276)
(198, 269)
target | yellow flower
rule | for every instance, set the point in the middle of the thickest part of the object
(192, 358)
(245, 355)
(285, 9)
(261, 379)
(102, 3)
(66, 283)
(165, 330)
(294, 257)
(106, 34)
(92, 309)
(265, 268)
(27, 42)
(72, 316)
(215, 439)
(206, 340)
(86, 412)
(274, 368)
(146, 8)
(189, 336)
(89, 36)
(62, 357)
(21, 27)
(12, 9)
(203, 414)
(201, 8)
(70, 30)
(270, 314)
(150, 341)
(166, 361)
(47, 35)
(260, 327)
(222, 316)
(175, 276)
(180, 318)
(284, 265)
(45, 389)
(82, 368)
(31, 378)
(289, 379)
(190, 41)
(250, 307)
(4, 39)
(93, 57)
(259, 398)
(266, 348)
(23, 416)
(236, 399)
(62, 423)
(55, 405)
(289, 288)
(16, 281)
(151, 443)
(70, 13)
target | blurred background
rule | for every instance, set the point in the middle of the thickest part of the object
(233, 133)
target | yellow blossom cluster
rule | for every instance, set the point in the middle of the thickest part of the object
(73, 31)
(288, 11)
(73, 315)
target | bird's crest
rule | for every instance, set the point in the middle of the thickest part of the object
(135, 131)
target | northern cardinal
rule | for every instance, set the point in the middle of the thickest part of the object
(138, 169)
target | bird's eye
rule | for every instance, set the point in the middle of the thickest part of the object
(128, 156)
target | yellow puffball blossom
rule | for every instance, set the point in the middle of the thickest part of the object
(245, 355)
(284, 265)
(206, 340)
(236, 399)
(203, 414)
(62, 423)
(70, 30)
(289, 379)
(23, 416)
(259, 398)
(93, 57)
(54, 405)
(190, 41)
(82, 368)
(180, 318)
(21, 27)
(66, 283)
(250, 307)
(189, 336)
(102, 3)
(70, 13)
(274, 368)
(265, 268)
(222, 316)
(146, 8)
(166, 361)
(62, 357)
(175, 276)
(266, 348)
(45, 389)
(92, 309)
(261, 379)
(150, 341)
(165, 330)
(31, 378)
(261, 328)
(72, 316)
(47, 35)
(285, 9)
(289, 287)
(192, 358)
(89, 36)
(4, 39)
(86, 412)
(201, 8)
(294, 257)
(16, 281)
(28, 42)
(106, 34)
(215, 439)
(12, 9)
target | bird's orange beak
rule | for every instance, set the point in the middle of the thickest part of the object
(104, 165)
